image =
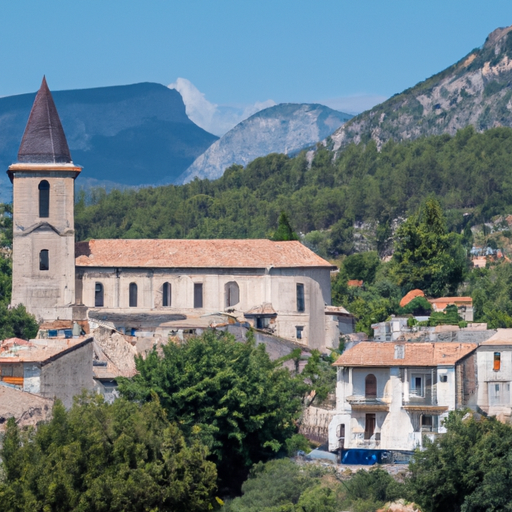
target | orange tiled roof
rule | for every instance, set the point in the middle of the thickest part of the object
(451, 300)
(196, 254)
(39, 351)
(502, 337)
(355, 282)
(415, 354)
(410, 296)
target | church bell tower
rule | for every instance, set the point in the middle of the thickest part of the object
(43, 178)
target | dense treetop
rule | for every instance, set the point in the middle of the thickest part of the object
(468, 172)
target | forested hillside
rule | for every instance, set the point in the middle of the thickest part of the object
(468, 173)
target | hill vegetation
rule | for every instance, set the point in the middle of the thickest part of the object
(469, 173)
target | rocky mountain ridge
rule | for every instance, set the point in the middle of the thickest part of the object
(284, 128)
(477, 90)
(128, 135)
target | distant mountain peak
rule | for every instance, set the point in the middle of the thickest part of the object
(476, 90)
(283, 128)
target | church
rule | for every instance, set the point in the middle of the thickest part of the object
(280, 287)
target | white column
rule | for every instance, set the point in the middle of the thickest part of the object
(406, 386)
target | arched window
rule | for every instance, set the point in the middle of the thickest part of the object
(133, 295)
(370, 386)
(44, 199)
(98, 295)
(166, 295)
(231, 293)
(44, 260)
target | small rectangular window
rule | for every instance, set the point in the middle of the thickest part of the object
(497, 361)
(369, 426)
(44, 260)
(443, 378)
(198, 295)
(301, 307)
(417, 386)
(262, 322)
(166, 295)
(299, 330)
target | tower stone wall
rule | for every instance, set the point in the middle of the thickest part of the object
(43, 215)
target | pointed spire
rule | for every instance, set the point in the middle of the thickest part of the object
(44, 140)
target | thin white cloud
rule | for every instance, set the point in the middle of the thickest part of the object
(216, 119)
(354, 104)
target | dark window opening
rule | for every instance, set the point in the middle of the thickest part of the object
(44, 199)
(44, 260)
(443, 378)
(98, 295)
(299, 330)
(369, 427)
(370, 386)
(341, 430)
(133, 295)
(497, 361)
(262, 322)
(301, 307)
(232, 293)
(166, 295)
(198, 295)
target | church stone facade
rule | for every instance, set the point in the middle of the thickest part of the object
(282, 287)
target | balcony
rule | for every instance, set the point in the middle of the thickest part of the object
(361, 403)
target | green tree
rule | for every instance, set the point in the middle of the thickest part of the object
(468, 469)
(98, 457)
(229, 394)
(283, 486)
(427, 256)
(362, 266)
(284, 232)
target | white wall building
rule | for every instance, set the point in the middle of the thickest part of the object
(494, 362)
(389, 395)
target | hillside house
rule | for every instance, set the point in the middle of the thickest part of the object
(389, 395)
(56, 368)
(494, 363)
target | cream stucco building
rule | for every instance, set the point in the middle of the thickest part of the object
(281, 287)
(390, 395)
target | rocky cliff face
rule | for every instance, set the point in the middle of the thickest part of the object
(476, 91)
(284, 128)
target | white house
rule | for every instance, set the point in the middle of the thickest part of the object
(494, 362)
(389, 395)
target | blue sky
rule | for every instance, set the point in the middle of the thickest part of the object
(342, 53)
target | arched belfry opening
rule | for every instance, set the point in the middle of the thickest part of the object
(44, 199)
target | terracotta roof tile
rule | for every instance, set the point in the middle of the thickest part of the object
(502, 337)
(196, 254)
(265, 309)
(39, 350)
(337, 310)
(415, 354)
(410, 296)
(451, 300)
